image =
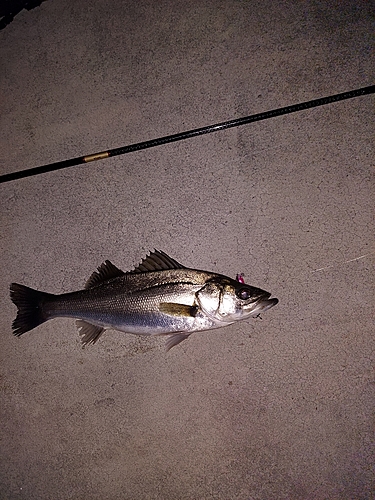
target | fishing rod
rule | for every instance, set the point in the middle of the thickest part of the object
(187, 134)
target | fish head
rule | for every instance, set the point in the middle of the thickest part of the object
(226, 300)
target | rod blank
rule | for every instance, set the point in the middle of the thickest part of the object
(187, 134)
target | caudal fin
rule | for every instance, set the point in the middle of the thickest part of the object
(30, 313)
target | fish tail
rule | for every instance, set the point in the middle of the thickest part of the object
(30, 312)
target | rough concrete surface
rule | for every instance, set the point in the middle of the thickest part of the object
(261, 410)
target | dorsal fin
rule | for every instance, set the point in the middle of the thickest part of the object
(157, 261)
(105, 272)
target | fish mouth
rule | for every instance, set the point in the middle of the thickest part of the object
(266, 304)
(262, 304)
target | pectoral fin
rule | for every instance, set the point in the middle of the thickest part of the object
(175, 339)
(173, 309)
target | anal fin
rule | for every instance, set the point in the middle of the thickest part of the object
(89, 333)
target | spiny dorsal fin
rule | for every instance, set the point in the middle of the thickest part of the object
(157, 261)
(105, 272)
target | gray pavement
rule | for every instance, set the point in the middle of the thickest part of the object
(261, 410)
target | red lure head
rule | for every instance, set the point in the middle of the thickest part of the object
(239, 278)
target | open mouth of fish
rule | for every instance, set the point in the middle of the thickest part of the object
(262, 304)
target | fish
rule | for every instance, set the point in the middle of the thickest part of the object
(158, 297)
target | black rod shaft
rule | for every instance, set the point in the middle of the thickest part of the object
(187, 134)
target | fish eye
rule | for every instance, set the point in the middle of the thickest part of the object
(243, 294)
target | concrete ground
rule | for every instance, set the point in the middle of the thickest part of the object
(261, 410)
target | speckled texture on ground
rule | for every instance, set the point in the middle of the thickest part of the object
(278, 409)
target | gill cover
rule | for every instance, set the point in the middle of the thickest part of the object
(218, 300)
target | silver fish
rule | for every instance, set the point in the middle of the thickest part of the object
(159, 297)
